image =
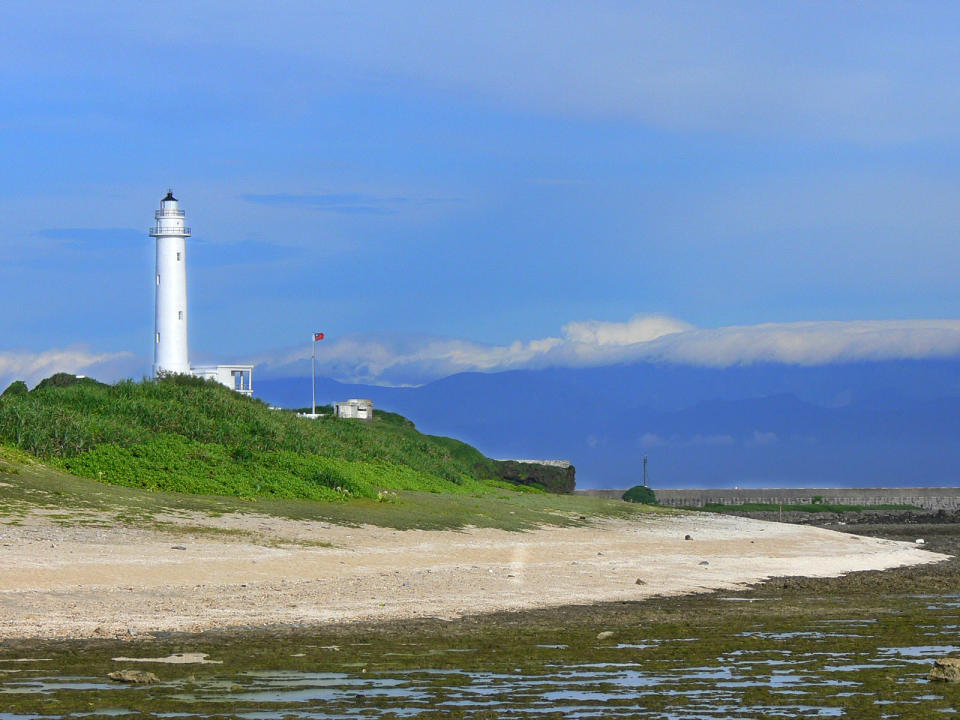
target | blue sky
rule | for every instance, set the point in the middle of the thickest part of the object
(451, 182)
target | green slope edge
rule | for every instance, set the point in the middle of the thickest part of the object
(186, 436)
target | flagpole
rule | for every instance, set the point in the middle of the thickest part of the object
(313, 374)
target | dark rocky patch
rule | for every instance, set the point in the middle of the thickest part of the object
(134, 677)
(546, 477)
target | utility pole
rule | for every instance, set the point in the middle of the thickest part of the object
(644, 470)
(317, 336)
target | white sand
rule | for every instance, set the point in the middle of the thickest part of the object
(83, 581)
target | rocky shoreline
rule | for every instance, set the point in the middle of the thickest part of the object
(839, 520)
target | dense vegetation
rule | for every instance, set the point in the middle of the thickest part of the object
(189, 435)
(640, 494)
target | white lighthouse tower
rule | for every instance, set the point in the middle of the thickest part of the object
(170, 329)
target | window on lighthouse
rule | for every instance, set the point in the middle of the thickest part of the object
(158, 278)
(180, 315)
(178, 256)
(158, 337)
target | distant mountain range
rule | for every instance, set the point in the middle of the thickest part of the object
(877, 424)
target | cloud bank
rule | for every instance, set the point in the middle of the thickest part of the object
(644, 338)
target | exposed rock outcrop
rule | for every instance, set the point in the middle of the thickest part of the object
(555, 478)
(945, 670)
(134, 677)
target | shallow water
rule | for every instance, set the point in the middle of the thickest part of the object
(746, 666)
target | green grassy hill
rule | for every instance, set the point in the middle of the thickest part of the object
(187, 435)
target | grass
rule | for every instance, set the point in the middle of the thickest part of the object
(133, 451)
(808, 508)
(28, 485)
(192, 436)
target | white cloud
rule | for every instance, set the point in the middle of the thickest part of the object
(711, 440)
(641, 328)
(651, 440)
(763, 438)
(809, 343)
(401, 361)
(645, 338)
(32, 367)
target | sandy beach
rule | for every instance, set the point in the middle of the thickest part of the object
(65, 580)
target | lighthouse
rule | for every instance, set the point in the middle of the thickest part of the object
(170, 354)
(170, 328)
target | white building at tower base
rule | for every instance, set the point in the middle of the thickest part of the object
(235, 377)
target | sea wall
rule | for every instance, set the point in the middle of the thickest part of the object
(937, 498)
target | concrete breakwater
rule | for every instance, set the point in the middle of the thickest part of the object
(935, 498)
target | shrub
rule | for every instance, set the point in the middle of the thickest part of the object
(17, 387)
(65, 380)
(640, 494)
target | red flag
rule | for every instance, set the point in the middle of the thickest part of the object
(317, 336)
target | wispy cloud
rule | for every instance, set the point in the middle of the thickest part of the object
(34, 366)
(716, 67)
(781, 70)
(258, 252)
(560, 181)
(645, 338)
(111, 236)
(649, 441)
(345, 203)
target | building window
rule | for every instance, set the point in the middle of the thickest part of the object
(180, 315)
(158, 337)
(178, 257)
(158, 278)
